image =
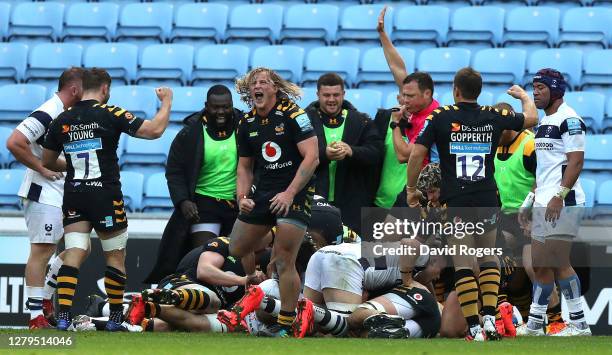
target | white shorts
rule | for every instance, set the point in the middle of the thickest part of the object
(565, 228)
(270, 288)
(44, 222)
(330, 270)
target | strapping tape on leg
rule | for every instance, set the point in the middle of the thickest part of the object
(373, 305)
(77, 240)
(117, 242)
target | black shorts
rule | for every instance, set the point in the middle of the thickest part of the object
(508, 222)
(261, 214)
(217, 211)
(103, 208)
(426, 308)
(175, 281)
(481, 207)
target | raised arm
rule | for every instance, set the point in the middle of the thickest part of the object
(394, 60)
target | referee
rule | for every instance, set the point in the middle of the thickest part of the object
(467, 136)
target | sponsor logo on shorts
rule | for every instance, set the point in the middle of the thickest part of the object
(271, 151)
(94, 183)
(72, 214)
(48, 229)
(108, 221)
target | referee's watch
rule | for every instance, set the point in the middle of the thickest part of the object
(393, 125)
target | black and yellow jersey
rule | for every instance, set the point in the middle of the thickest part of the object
(272, 142)
(88, 135)
(467, 136)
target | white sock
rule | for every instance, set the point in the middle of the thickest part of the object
(574, 306)
(413, 328)
(34, 297)
(215, 325)
(537, 315)
(51, 279)
(270, 305)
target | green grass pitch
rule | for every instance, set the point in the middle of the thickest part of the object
(193, 343)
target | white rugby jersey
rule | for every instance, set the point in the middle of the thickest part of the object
(346, 250)
(384, 271)
(36, 187)
(558, 134)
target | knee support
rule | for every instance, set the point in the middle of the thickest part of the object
(77, 240)
(117, 242)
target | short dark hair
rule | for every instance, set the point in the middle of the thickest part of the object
(218, 90)
(469, 83)
(70, 75)
(423, 80)
(504, 106)
(330, 79)
(94, 78)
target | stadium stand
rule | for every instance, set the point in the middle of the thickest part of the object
(604, 200)
(37, 21)
(147, 152)
(132, 186)
(18, 100)
(91, 22)
(10, 180)
(310, 25)
(6, 158)
(302, 41)
(200, 23)
(13, 62)
(287, 60)
(140, 100)
(119, 59)
(156, 194)
(220, 62)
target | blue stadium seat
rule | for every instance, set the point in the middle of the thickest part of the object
(365, 100)
(139, 100)
(132, 186)
(501, 65)
(486, 98)
(148, 152)
(589, 106)
(166, 62)
(358, 24)
(374, 67)
(443, 63)
(41, 20)
(156, 194)
(13, 61)
(566, 60)
(604, 200)
(200, 22)
(187, 100)
(86, 20)
(49, 60)
(256, 21)
(220, 62)
(286, 60)
(597, 68)
(238, 103)
(607, 123)
(598, 152)
(119, 59)
(422, 24)
(342, 60)
(538, 24)
(481, 24)
(309, 94)
(19, 100)
(447, 99)
(6, 158)
(589, 186)
(391, 100)
(598, 176)
(5, 14)
(586, 25)
(152, 21)
(311, 22)
(10, 180)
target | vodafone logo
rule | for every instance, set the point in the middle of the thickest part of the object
(270, 151)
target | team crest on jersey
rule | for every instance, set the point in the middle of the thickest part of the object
(280, 129)
(548, 131)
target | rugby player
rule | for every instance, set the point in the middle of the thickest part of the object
(276, 144)
(42, 191)
(557, 206)
(88, 135)
(467, 136)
